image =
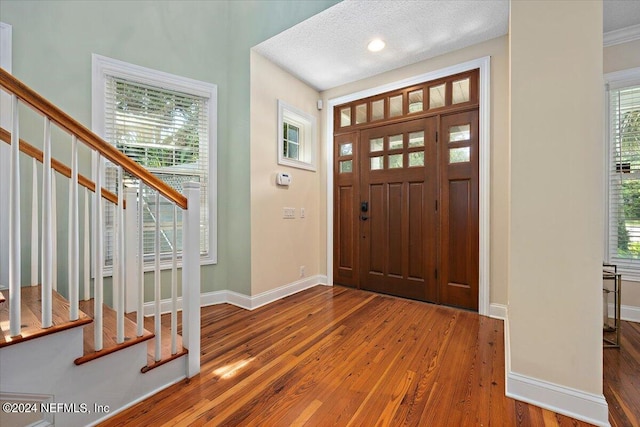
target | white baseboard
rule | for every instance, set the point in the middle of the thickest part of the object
(241, 300)
(588, 407)
(629, 313)
(592, 408)
(498, 311)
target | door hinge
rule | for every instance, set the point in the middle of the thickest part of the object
(436, 205)
(436, 273)
(436, 136)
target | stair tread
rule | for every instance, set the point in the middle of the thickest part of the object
(31, 316)
(109, 334)
(165, 337)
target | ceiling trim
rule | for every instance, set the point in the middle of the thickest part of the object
(623, 35)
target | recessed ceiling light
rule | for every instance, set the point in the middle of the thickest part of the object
(376, 45)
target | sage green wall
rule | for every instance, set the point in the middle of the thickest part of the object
(205, 40)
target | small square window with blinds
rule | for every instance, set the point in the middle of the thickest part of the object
(624, 176)
(165, 131)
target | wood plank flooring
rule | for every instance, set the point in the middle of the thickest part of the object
(622, 378)
(332, 356)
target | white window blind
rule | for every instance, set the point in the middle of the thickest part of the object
(167, 132)
(624, 178)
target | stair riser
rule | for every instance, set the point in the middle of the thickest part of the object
(45, 366)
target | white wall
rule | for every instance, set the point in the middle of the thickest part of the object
(279, 247)
(555, 254)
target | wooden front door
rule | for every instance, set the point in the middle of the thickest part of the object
(397, 218)
(406, 192)
(459, 241)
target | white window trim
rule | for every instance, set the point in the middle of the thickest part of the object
(102, 67)
(307, 136)
(630, 270)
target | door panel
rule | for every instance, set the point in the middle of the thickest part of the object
(346, 210)
(399, 232)
(459, 215)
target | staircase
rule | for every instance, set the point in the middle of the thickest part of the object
(79, 349)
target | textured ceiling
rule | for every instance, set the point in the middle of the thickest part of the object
(329, 49)
(620, 14)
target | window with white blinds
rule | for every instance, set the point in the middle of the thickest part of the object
(164, 123)
(624, 179)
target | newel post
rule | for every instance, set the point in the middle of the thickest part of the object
(191, 277)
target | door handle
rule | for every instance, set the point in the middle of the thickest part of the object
(364, 218)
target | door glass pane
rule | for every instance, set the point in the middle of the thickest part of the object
(459, 155)
(361, 113)
(416, 158)
(460, 91)
(415, 101)
(376, 163)
(436, 96)
(459, 133)
(395, 106)
(416, 139)
(377, 109)
(345, 116)
(346, 166)
(395, 142)
(346, 149)
(395, 161)
(376, 144)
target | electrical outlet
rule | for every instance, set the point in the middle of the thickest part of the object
(288, 213)
(301, 212)
(302, 273)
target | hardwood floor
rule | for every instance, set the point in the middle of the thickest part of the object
(622, 378)
(332, 356)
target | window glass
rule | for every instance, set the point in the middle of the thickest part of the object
(436, 96)
(377, 110)
(395, 106)
(345, 117)
(624, 178)
(460, 91)
(415, 101)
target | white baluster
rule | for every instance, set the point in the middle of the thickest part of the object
(54, 232)
(74, 235)
(140, 311)
(157, 288)
(191, 277)
(99, 258)
(130, 249)
(118, 296)
(87, 248)
(35, 234)
(174, 284)
(14, 226)
(47, 228)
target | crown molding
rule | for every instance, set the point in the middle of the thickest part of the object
(623, 35)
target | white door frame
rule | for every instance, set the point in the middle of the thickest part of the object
(484, 64)
(5, 154)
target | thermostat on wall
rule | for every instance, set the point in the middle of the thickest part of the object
(283, 179)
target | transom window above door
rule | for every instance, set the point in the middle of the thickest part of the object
(460, 90)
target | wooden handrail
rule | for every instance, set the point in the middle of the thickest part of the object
(32, 151)
(64, 121)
